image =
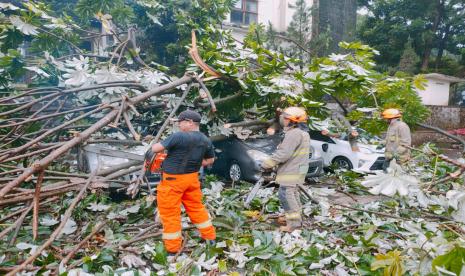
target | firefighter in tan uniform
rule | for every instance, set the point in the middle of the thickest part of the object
(291, 158)
(398, 138)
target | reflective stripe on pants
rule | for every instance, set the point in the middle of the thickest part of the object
(173, 191)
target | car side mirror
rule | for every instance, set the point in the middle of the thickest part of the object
(325, 147)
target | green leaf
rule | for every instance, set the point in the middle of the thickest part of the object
(392, 262)
(222, 266)
(452, 261)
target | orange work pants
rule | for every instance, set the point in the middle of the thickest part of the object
(173, 190)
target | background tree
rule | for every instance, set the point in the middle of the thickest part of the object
(409, 59)
(434, 26)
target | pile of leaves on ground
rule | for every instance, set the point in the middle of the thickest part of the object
(350, 228)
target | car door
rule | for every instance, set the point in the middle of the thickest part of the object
(324, 145)
(221, 157)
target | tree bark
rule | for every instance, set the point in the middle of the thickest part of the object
(442, 44)
(438, 14)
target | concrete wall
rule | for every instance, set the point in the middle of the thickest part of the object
(444, 117)
(436, 92)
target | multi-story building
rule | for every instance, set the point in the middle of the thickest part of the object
(336, 16)
(275, 12)
(278, 13)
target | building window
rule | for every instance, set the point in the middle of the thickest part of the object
(245, 12)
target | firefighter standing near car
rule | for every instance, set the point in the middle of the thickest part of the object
(398, 138)
(187, 150)
(291, 158)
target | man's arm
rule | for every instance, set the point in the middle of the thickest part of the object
(284, 152)
(158, 147)
(209, 156)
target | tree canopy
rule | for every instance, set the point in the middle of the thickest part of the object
(436, 29)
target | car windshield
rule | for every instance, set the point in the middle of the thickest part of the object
(316, 135)
(266, 144)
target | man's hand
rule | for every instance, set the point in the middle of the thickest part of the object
(354, 133)
(158, 147)
(207, 162)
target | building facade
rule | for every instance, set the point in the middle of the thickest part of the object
(278, 13)
(338, 17)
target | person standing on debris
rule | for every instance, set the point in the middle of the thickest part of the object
(187, 150)
(291, 158)
(398, 138)
(343, 126)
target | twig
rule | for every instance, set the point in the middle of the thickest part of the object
(35, 219)
(13, 214)
(443, 132)
(221, 100)
(20, 220)
(209, 96)
(57, 231)
(17, 157)
(32, 91)
(18, 224)
(50, 131)
(172, 113)
(141, 238)
(368, 211)
(131, 127)
(184, 242)
(122, 105)
(81, 244)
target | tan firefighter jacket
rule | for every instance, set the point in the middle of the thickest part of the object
(291, 157)
(397, 139)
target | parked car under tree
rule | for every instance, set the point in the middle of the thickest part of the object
(240, 159)
(338, 153)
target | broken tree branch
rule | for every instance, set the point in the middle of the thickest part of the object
(57, 231)
(35, 219)
(445, 133)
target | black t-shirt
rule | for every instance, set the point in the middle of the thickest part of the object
(179, 145)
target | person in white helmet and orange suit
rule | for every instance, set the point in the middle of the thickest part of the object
(291, 160)
(398, 138)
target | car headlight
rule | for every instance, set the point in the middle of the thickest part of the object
(257, 155)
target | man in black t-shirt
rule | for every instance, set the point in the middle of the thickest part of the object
(187, 151)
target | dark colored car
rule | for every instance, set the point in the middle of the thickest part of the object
(240, 159)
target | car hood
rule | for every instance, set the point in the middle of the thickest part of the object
(372, 148)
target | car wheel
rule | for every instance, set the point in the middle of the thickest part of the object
(235, 172)
(341, 162)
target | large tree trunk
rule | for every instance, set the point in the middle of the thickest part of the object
(442, 44)
(438, 13)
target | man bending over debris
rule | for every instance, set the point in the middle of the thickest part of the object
(291, 157)
(188, 150)
(398, 138)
